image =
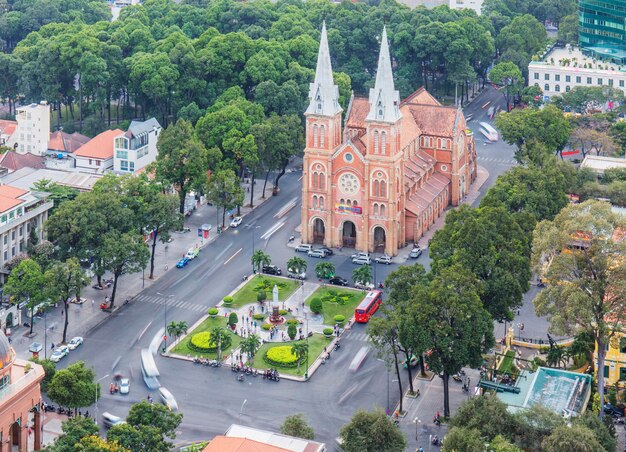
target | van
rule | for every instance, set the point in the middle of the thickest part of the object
(109, 420)
(168, 399)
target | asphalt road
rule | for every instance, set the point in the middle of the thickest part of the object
(211, 399)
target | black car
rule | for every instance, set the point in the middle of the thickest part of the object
(613, 410)
(272, 270)
(338, 281)
(327, 251)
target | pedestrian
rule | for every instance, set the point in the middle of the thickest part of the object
(52, 346)
(255, 324)
(93, 303)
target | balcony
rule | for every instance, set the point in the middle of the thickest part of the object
(21, 380)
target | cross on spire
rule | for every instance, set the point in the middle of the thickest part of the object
(384, 99)
(323, 93)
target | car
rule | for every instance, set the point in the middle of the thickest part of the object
(124, 386)
(384, 259)
(168, 399)
(75, 342)
(613, 410)
(60, 353)
(338, 281)
(295, 275)
(192, 253)
(272, 270)
(327, 251)
(302, 248)
(415, 252)
(317, 253)
(362, 260)
(236, 222)
(360, 254)
(109, 420)
(362, 286)
(359, 358)
(183, 262)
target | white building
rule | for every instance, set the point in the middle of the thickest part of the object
(32, 133)
(476, 5)
(96, 156)
(599, 164)
(137, 147)
(562, 69)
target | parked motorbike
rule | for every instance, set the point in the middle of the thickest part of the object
(291, 238)
(240, 377)
(337, 346)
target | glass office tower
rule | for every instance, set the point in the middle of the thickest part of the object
(602, 30)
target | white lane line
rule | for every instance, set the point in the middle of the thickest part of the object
(286, 208)
(300, 178)
(233, 256)
(272, 230)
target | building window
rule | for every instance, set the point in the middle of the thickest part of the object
(21, 231)
(13, 251)
(6, 239)
(375, 141)
(342, 201)
(621, 83)
(622, 345)
(599, 81)
(90, 161)
(383, 143)
(622, 373)
(382, 210)
(557, 88)
(606, 371)
(589, 81)
(21, 246)
(536, 75)
(557, 78)
(315, 202)
(567, 89)
(322, 136)
(578, 80)
(6, 256)
(354, 203)
(568, 78)
(546, 87)
(322, 181)
(444, 144)
(546, 76)
(610, 82)
(316, 182)
(97, 162)
(123, 165)
(121, 154)
(4, 218)
(383, 189)
(375, 191)
(13, 234)
(321, 202)
(315, 132)
(132, 167)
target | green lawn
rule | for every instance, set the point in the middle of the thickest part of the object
(317, 342)
(507, 365)
(248, 293)
(182, 348)
(330, 310)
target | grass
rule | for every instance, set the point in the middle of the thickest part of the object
(182, 348)
(507, 366)
(317, 342)
(330, 310)
(247, 294)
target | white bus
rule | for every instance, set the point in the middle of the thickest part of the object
(149, 369)
(489, 132)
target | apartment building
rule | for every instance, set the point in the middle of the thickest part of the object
(137, 147)
(96, 156)
(32, 132)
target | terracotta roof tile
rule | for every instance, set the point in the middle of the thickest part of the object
(7, 127)
(11, 192)
(7, 203)
(358, 112)
(14, 161)
(433, 119)
(64, 142)
(232, 444)
(100, 146)
(420, 96)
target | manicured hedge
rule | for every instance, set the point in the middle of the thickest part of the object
(316, 305)
(201, 342)
(328, 331)
(258, 316)
(340, 319)
(228, 299)
(267, 326)
(292, 322)
(283, 312)
(281, 356)
(213, 311)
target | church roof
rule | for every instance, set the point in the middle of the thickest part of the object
(428, 192)
(434, 119)
(384, 99)
(323, 93)
(358, 112)
(420, 96)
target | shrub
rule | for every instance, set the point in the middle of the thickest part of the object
(213, 312)
(261, 296)
(292, 330)
(228, 299)
(268, 285)
(233, 319)
(340, 319)
(267, 326)
(201, 342)
(258, 316)
(293, 322)
(332, 296)
(281, 356)
(316, 305)
(328, 332)
(283, 312)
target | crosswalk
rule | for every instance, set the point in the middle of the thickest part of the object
(171, 303)
(353, 335)
(501, 161)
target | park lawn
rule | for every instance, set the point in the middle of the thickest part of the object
(182, 348)
(317, 343)
(507, 365)
(330, 310)
(247, 294)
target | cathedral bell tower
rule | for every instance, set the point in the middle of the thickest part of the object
(323, 136)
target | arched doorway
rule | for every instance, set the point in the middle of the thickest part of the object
(380, 240)
(348, 234)
(9, 321)
(319, 231)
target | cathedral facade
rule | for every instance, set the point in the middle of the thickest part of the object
(380, 179)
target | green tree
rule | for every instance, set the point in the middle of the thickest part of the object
(259, 259)
(224, 191)
(371, 432)
(576, 438)
(26, 283)
(296, 265)
(599, 429)
(568, 29)
(586, 285)
(582, 98)
(325, 270)
(488, 415)
(462, 439)
(292, 331)
(74, 386)
(507, 74)
(218, 334)
(123, 253)
(49, 368)
(250, 345)
(532, 96)
(362, 274)
(296, 425)
(143, 438)
(74, 429)
(300, 349)
(618, 132)
(58, 193)
(94, 443)
(65, 280)
(145, 414)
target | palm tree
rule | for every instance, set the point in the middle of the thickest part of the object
(325, 270)
(173, 329)
(182, 329)
(250, 345)
(217, 337)
(296, 265)
(300, 349)
(259, 259)
(363, 274)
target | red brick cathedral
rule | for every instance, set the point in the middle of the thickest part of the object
(381, 179)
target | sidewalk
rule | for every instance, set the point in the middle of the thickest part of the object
(83, 318)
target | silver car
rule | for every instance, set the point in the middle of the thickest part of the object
(109, 420)
(383, 260)
(168, 399)
(362, 260)
(302, 248)
(317, 253)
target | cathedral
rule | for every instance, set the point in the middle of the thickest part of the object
(378, 180)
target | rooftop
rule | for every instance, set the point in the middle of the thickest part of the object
(229, 444)
(64, 142)
(573, 59)
(599, 164)
(140, 127)
(25, 178)
(100, 146)
(14, 161)
(278, 441)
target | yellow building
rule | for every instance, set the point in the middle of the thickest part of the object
(615, 363)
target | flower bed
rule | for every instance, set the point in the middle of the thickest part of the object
(317, 343)
(248, 293)
(281, 356)
(201, 342)
(184, 348)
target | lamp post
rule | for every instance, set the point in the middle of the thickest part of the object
(241, 409)
(306, 372)
(418, 423)
(387, 367)
(253, 234)
(96, 397)
(165, 319)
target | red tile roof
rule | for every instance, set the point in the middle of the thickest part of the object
(64, 142)
(8, 203)
(434, 119)
(232, 444)
(14, 161)
(420, 96)
(7, 127)
(358, 112)
(100, 146)
(11, 192)
(425, 196)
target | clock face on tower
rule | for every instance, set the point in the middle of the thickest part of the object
(349, 184)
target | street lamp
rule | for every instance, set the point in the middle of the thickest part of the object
(306, 372)
(255, 227)
(165, 319)
(96, 397)
(418, 423)
(388, 374)
(241, 409)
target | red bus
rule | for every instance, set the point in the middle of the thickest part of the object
(368, 306)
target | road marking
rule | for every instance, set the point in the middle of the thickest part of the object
(485, 106)
(142, 332)
(272, 230)
(300, 178)
(286, 208)
(233, 256)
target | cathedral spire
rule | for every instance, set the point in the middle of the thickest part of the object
(323, 93)
(384, 99)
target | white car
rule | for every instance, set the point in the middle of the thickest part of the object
(362, 260)
(75, 342)
(361, 286)
(383, 260)
(109, 420)
(60, 353)
(304, 248)
(360, 255)
(317, 253)
(168, 399)
(124, 386)
(295, 275)
(236, 222)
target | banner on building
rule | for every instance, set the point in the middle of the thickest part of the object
(346, 208)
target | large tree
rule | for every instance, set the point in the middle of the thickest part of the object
(224, 191)
(74, 386)
(580, 256)
(296, 425)
(371, 432)
(507, 75)
(26, 283)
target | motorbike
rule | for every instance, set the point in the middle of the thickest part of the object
(255, 373)
(48, 407)
(435, 441)
(457, 378)
(436, 420)
(196, 360)
(244, 278)
(337, 346)
(323, 360)
(240, 377)
(381, 286)
(291, 238)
